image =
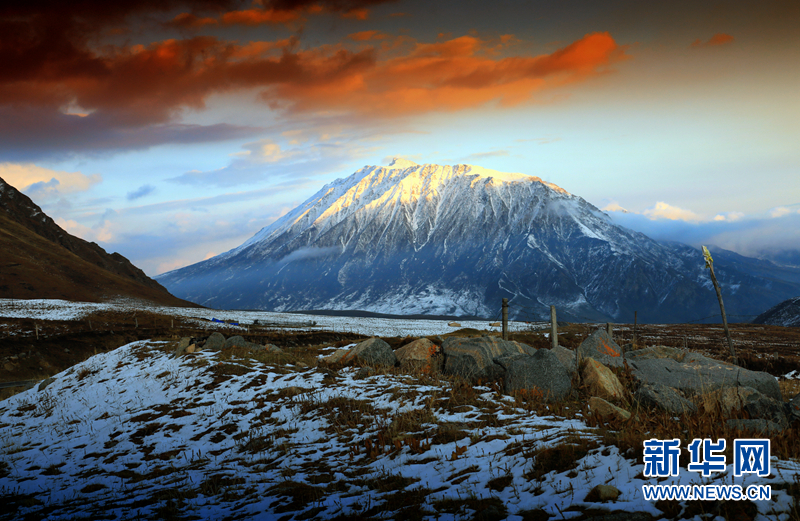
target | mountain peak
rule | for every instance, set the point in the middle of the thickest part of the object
(399, 162)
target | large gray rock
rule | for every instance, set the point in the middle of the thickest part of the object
(372, 351)
(239, 341)
(694, 374)
(541, 372)
(730, 400)
(602, 348)
(663, 397)
(474, 357)
(567, 359)
(215, 342)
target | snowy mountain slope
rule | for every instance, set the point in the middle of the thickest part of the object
(455, 240)
(786, 314)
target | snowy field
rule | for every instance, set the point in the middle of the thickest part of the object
(138, 434)
(64, 310)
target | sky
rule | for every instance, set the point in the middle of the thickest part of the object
(172, 131)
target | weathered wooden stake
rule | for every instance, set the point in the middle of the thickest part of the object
(710, 266)
(505, 319)
(553, 328)
(136, 322)
(171, 324)
(36, 327)
(635, 320)
(90, 325)
(609, 329)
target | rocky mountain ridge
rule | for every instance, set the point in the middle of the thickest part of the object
(41, 260)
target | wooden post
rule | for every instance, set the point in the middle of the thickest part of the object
(136, 322)
(710, 266)
(171, 323)
(505, 319)
(36, 327)
(609, 330)
(553, 328)
(635, 320)
(90, 325)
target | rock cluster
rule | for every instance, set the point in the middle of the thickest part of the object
(217, 342)
(665, 378)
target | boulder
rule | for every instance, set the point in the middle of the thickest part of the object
(190, 349)
(602, 493)
(757, 426)
(734, 399)
(794, 408)
(335, 358)
(454, 324)
(373, 351)
(567, 359)
(607, 410)
(474, 357)
(694, 374)
(44, 383)
(601, 381)
(215, 342)
(183, 343)
(239, 341)
(602, 348)
(541, 372)
(272, 348)
(419, 355)
(663, 397)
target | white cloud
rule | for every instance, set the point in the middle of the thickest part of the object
(40, 183)
(614, 207)
(729, 216)
(663, 210)
(780, 211)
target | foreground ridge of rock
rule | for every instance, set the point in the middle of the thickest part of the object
(473, 358)
(372, 351)
(602, 348)
(665, 398)
(540, 375)
(694, 374)
(601, 381)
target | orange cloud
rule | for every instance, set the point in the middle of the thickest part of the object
(358, 14)
(191, 21)
(259, 16)
(365, 36)
(451, 75)
(136, 85)
(717, 39)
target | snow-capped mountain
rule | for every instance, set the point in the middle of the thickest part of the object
(455, 240)
(786, 314)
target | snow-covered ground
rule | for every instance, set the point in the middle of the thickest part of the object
(135, 433)
(65, 310)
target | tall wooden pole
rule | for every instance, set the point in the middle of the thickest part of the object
(553, 328)
(505, 319)
(710, 266)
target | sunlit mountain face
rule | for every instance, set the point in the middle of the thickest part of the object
(455, 240)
